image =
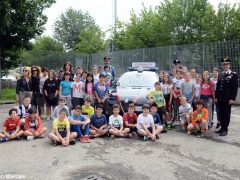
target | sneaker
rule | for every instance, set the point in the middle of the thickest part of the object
(134, 135)
(55, 143)
(72, 142)
(145, 138)
(112, 136)
(202, 134)
(218, 125)
(164, 130)
(157, 136)
(189, 132)
(2, 140)
(42, 136)
(199, 134)
(29, 138)
(82, 139)
(92, 136)
(87, 139)
(130, 135)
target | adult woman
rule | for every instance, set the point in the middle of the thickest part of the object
(67, 68)
(35, 79)
(23, 87)
(50, 89)
(43, 78)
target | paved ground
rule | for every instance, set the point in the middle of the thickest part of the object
(175, 156)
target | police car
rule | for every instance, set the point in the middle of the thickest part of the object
(134, 85)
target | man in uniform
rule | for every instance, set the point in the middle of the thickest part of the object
(106, 60)
(226, 92)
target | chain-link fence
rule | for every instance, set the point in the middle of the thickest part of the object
(202, 56)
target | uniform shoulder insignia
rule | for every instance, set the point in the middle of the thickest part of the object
(234, 72)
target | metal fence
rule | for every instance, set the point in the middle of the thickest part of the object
(202, 56)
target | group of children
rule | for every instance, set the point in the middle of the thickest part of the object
(85, 123)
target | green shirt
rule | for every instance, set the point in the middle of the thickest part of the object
(157, 97)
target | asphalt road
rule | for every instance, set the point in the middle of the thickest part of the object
(175, 155)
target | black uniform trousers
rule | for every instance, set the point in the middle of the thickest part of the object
(224, 113)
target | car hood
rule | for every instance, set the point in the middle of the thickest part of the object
(136, 95)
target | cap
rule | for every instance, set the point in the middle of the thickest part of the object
(225, 60)
(146, 106)
(176, 61)
(106, 58)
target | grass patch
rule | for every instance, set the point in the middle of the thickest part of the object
(8, 94)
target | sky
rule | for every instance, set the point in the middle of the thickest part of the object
(101, 10)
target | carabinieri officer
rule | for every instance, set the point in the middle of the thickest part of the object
(226, 92)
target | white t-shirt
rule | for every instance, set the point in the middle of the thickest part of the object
(177, 82)
(185, 109)
(116, 121)
(166, 88)
(78, 89)
(145, 120)
(95, 78)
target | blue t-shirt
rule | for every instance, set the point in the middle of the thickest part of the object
(101, 89)
(77, 118)
(156, 118)
(66, 87)
(98, 121)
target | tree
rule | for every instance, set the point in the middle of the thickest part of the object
(91, 41)
(20, 22)
(46, 43)
(70, 25)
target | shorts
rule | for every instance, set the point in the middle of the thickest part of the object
(167, 98)
(162, 111)
(132, 129)
(63, 134)
(51, 100)
(10, 132)
(77, 101)
(118, 128)
(149, 128)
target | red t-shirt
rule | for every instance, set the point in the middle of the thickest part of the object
(207, 88)
(130, 119)
(11, 124)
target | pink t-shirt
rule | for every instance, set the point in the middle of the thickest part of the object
(207, 88)
(90, 88)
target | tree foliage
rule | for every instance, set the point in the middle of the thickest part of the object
(70, 25)
(178, 22)
(21, 20)
(47, 43)
(91, 41)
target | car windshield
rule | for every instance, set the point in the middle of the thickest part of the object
(138, 79)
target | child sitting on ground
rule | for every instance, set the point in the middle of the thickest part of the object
(23, 110)
(61, 130)
(145, 125)
(33, 125)
(87, 109)
(156, 118)
(61, 105)
(98, 125)
(11, 127)
(185, 113)
(80, 124)
(130, 119)
(199, 119)
(116, 124)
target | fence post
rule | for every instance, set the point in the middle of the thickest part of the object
(143, 54)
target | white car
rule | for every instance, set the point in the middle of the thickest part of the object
(8, 78)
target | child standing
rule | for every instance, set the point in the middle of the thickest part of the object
(175, 101)
(199, 119)
(33, 125)
(198, 80)
(185, 113)
(65, 89)
(87, 109)
(130, 119)
(80, 124)
(11, 127)
(116, 124)
(89, 88)
(167, 89)
(61, 130)
(145, 125)
(188, 88)
(208, 95)
(61, 105)
(156, 96)
(23, 110)
(98, 123)
(78, 91)
(101, 90)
